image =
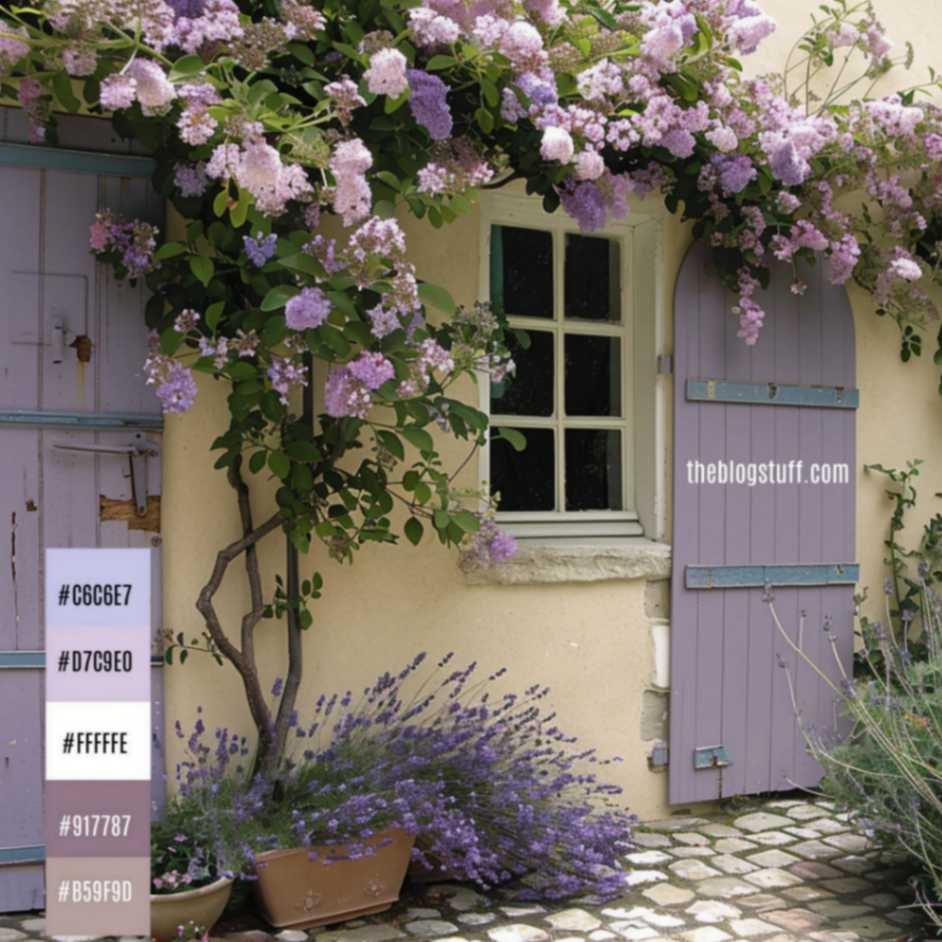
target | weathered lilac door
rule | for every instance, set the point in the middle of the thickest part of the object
(79, 432)
(790, 398)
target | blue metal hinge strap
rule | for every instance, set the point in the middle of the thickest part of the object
(51, 418)
(75, 161)
(36, 660)
(772, 394)
(22, 855)
(755, 577)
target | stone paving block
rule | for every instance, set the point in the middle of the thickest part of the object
(814, 870)
(733, 845)
(761, 901)
(829, 826)
(422, 912)
(704, 934)
(712, 911)
(574, 920)
(849, 843)
(836, 909)
(806, 812)
(691, 838)
(882, 900)
(782, 803)
(772, 858)
(794, 920)
(632, 931)
(476, 919)
(378, 933)
(773, 838)
(859, 865)
(806, 834)
(637, 877)
(430, 928)
(730, 864)
(666, 894)
(772, 878)
(515, 912)
(815, 850)
(517, 932)
(644, 839)
(601, 935)
(844, 885)
(680, 823)
(724, 887)
(761, 821)
(692, 851)
(720, 830)
(645, 914)
(692, 870)
(751, 928)
(870, 927)
(803, 894)
(648, 857)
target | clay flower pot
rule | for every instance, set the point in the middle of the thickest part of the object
(296, 892)
(202, 906)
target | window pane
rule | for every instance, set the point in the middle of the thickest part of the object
(524, 479)
(593, 469)
(522, 271)
(529, 389)
(593, 375)
(593, 278)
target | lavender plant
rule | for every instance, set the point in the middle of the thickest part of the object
(492, 789)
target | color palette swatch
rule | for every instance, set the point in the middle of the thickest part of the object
(98, 741)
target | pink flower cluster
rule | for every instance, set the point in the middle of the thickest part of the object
(352, 197)
(129, 242)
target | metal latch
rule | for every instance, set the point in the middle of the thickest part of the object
(711, 757)
(137, 454)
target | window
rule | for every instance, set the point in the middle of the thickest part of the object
(571, 301)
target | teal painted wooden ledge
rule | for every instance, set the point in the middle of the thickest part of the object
(756, 577)
(772, 394)
(76, 161)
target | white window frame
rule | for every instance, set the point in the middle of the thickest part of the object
(639, 332)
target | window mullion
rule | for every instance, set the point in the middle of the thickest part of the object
(559, 250)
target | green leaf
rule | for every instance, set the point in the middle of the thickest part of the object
(62, 86)
(238, 213)
(437, 296)
(242, 370)
(303, 262)
(169, 250)
(516, 439)
(280, 464)
(441, 519)
(186, 66)
(391, 443)
(214, 313)
(257, 462)
(394, 104)
(203, 268)
(221, 201)
(439, 62)
(418, 437)
(278, 297)
(413, 531)
(467, 521)
(170, 340)
(260, 90)
(484, 119)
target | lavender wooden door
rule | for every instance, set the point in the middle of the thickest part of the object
(73, 412)
(789, 399)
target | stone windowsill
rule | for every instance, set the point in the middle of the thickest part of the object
(578, 560)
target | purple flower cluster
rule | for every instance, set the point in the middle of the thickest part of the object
(261, 248)
(492, 788)
(129, 243)
(428, 103)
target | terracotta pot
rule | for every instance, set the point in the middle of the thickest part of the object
(294, 891)
(203, 906)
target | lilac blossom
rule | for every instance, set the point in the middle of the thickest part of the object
(260, 248)
(386, 74)
(190, 179)
(428, 103)
(307, 310)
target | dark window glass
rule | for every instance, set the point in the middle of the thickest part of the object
(593, 469)
(524, 479)
(593, 375)
(592, 279)
(529, 389)
(522, 271)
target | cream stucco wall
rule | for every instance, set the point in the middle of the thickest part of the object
(590, 642)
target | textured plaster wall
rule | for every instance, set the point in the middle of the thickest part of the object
(601, 646)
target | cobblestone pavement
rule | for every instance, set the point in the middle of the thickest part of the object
(775, 871)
